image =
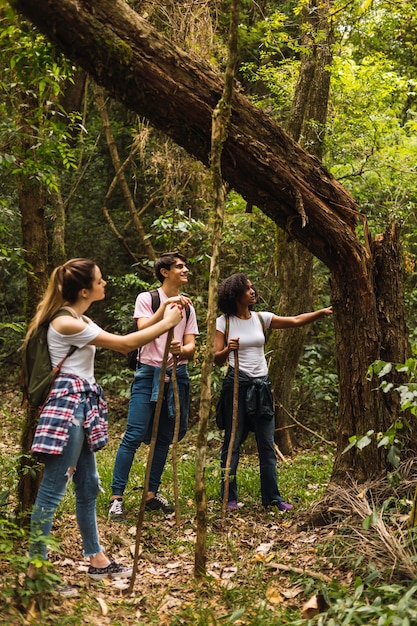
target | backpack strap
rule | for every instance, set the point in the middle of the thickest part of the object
(133, 356)
(226, 330)
(156, 302)
(262, 321)
(66, 311)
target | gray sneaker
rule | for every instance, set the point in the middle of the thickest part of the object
(65, 591)
(116, 511)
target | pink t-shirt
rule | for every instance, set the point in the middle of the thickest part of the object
(152, 353)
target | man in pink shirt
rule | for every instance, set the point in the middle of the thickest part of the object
(171, 269)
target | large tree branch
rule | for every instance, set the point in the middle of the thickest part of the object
(178, 93)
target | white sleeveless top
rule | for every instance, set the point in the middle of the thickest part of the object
(81, 363)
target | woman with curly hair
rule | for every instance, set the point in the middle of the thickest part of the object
(241, 330)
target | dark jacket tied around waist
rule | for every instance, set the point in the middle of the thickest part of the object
(258, 397)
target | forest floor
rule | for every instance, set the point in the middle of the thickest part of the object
(262, 566)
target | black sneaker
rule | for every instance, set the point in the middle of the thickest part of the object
(112, 570)
(116, 511)
(158, 503)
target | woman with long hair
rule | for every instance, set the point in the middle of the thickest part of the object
(73, 422)
(241, 329)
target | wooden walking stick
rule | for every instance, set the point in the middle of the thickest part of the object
(232, 435)
(175, 389)
(156, 416)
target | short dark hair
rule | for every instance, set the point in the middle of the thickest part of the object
(230, 291)
(165, 261)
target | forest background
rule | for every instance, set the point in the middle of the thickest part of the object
(111, 187)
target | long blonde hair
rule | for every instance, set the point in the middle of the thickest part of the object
(65, 283)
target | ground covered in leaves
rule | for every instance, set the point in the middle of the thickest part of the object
(262, 566)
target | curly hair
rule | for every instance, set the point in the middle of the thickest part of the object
(230, 290)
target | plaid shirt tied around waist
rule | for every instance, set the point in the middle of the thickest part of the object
(67, 392)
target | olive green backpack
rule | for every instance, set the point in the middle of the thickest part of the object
(37, 372)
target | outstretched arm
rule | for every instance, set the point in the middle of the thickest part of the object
(300, 320)
(126, 343)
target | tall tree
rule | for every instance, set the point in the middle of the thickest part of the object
(31, 105)
(221, 120)
(178, 94)
(306, 124)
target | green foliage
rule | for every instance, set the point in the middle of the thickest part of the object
(248, 244)
(407, 391)
(32, 81)
(12, 269)
(124, 291)
(382, 605)
(174, 230)
(16, 587)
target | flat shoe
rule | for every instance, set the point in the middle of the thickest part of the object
(112, 570)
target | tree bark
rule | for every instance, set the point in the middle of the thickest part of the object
(219, 132)
(307, 124)
(295, 278)
(31, 203)
(178, 94)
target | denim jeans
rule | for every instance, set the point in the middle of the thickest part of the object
(56, 476)
(143, 396)
(264, 434)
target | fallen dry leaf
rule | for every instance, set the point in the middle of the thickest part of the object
(289, 594)
(103, 606)
(273, 595)
(316, 604)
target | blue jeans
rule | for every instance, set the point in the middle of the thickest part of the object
(143, 396)
(56, 475)
(264, 433)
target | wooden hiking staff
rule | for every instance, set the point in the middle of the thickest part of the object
(232, 435)
(174, 383)
(155, 425)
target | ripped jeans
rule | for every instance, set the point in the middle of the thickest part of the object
(76, 462)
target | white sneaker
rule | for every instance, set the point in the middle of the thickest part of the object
(116, 511)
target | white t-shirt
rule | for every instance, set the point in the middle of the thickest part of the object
(153, 352)
(251, 341)
(81, 363)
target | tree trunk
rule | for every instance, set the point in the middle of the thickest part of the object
(178, 94)
(220, 126)
(295, 276)
(35, 242)
(306, 124)
(70, 100)
(31, 202)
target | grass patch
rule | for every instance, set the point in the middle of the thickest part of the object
(244, 584)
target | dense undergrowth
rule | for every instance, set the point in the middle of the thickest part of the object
(262, 567)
